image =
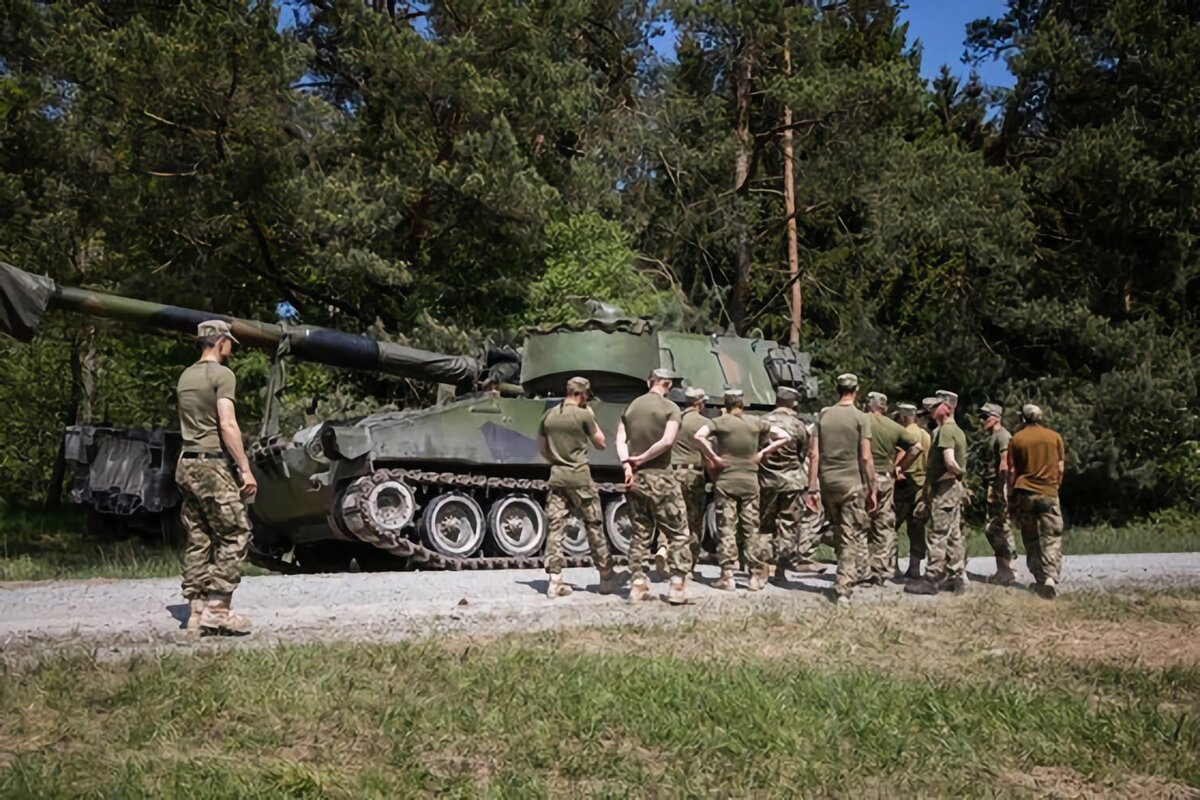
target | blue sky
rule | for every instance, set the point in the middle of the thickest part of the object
(940, 25)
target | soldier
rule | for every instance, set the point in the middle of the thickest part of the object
(563, 437)
(840, 455)
(1037, 461)
(945, 491)
(995, 478)
(688, 464)
(812, 520)
(736, 487)
(910, 487)
(889, 440)
(212, 511)
(647, 431)
(782, 481)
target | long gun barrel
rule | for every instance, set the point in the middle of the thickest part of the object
(25, 298)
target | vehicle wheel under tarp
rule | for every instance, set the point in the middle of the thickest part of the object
(453, 525)
(517, 525)
(618, 524)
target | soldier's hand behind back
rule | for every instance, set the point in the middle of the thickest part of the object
(249, 484)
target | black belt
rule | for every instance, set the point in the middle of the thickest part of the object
(202, 455)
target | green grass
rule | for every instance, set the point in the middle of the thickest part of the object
(539, 715)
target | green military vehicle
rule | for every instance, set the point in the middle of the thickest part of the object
(459, 485)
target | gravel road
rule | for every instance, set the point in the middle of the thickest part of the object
(114, 619)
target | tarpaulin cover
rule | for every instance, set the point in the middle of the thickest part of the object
(620, 325)
(421, 365)
(23, 300)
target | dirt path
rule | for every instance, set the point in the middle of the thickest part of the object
(115, 619)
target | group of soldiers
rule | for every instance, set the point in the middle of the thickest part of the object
(776, 480)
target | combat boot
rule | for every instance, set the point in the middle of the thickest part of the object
(726, 583)
(611, 581)
(1047, 589)
(219, 620)
(197, 611)
(758, 579)
(779, 578)
(677, 593)
(1004, 572)
(960, 584)
(660, 560)
(923, 586)
(640, 591)
(913, 573)
(557, 587)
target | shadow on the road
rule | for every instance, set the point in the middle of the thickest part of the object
(180, 612)
(539, 586)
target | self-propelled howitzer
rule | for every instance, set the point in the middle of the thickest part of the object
(456, 485)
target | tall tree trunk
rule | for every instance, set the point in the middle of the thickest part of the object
(741, 177)
(789, 205)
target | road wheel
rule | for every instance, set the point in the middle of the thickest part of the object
(453, 524)
(618, 524)
(517, 525)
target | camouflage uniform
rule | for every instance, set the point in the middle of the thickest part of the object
(782, 482)
(217, 527)
(911, 508)
(841, 431)
(736, 491)
(997, 495)
(688, 467)
(947, 548)
(1041, 522)
(847, 513)
(1036, 451)
(584, 502)
(655, 501)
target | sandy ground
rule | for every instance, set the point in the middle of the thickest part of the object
(114, 619)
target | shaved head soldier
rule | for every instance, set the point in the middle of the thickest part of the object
(892, 446)
(212, 512)
(840, 455)
(947, 564)
(783, 480)
(687, 461)
(648, 428)
(1037, 461)
(910, 486)
(564, 434)
(995, 478)
(736, 457)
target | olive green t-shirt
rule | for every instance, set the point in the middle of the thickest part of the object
(916, 470)
(737, 442)
(1036, 451)
(686, 451)
(784, 468)
(887, 436)
(997, 453)
(645, 419)
(947, 436)
(840, 430)
(200, 387)
(568, 430)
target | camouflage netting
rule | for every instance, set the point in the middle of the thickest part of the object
(634, 326)
(23, 301)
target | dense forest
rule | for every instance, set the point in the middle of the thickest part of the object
(445, 173)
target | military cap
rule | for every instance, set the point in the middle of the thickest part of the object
(878, 397)
(786, 393)
(906, 408)
(661, 374)
(733, 395)
(579, 385)
(215, 327)
(991, 410)
(695, 393)
(847, 380)
(1031, 413)
(930, 403)
(947, 396)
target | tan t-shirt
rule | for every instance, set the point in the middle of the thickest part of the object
(916, 470)
(645, 419)
(888, 436)
(568, 431)
(947, 436)
(840, 430)
(200, 387)
(784, 468)
(1036, 451)
(737, 442)
(686, 451)
(997, 453)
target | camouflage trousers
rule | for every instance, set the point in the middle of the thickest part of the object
(1041, 522)
(780, 518)
(737, 519)
(881, 533)
(692, 483)
(809, 536)
(584, 501)
(847, 514)
(912, 512)
(656, 501)
(217, 527)
(997, 522)
(947, 547)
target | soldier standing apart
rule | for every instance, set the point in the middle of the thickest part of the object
(1037, 461)
(840, 455)
(563, 438)
(910, 488)
(945, 490)
(687, 462)
(212, 512)
(995, 478)
(782, 481)
(737, 457)
(648, 429)
(889, 439)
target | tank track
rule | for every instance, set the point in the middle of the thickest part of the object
(358, 523)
